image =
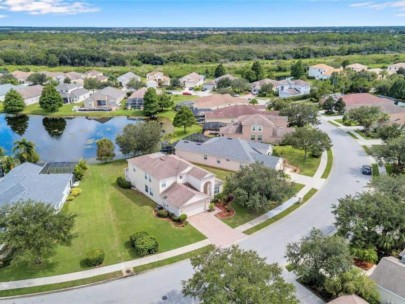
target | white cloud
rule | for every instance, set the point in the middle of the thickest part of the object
(400, 15)
(3, 16)
(399, 5)
(42, 7)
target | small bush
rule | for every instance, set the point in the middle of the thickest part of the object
(75, 192)
(95, 257)
(183, 218)
(162, 213)
(176, 219)
(70, 198)
(146, 245)
(211, 207)
(137, 235)
(123, 183)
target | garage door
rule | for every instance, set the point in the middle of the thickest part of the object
(194, 209)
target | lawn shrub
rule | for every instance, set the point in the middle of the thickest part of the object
(95, 257)
(70, 198)
(146, 245)
(162, 213)
(137, 235)
(123, 183)
(183, 218)
(211, 207)
(75, 192)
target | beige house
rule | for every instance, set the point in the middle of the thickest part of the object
(392, 69)
(357, 67)
(258, 127)
(228, 153)
(192, 80)
(31, 94)
(21, 76)
(173, 183)
(157, 77)
(218, 101)
(257, 85)
(322, 71)
(230, 114)
(108, 98)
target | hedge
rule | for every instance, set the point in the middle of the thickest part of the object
(123, 183)
(95, 257)
(136, 236)
(146, 245)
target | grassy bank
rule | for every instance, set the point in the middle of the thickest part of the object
(329, 165)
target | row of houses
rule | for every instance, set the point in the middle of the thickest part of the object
(285, 88)
(323, 71)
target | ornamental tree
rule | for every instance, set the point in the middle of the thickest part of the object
(50, 99)
(184, 118)
(105, 150)
(13, 102)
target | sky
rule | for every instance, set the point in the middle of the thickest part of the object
(201, 13)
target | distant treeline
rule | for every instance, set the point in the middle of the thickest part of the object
(120, 48)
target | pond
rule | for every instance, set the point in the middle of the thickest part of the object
(61, 139)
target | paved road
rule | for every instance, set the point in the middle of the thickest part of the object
(151, 286)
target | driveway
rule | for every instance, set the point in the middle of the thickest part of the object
(214, 229)
(345, 178)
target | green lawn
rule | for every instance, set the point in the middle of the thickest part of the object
(106, 216)
(352, 135)
(365, 135)
(333, 123)
(389, 169)
(295, 158)
(329, 165)
(347, 123)
(375, 170)
(243, 215)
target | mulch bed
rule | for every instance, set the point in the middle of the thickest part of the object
(363, 265)
(224, 212)
(168, 219)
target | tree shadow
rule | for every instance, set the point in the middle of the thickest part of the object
(130, 249)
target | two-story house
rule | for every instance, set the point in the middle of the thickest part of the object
(192, 80)
(173, 183)
(292, 88)
(322, 71)
(394, 68)
(72, 93)
(158, 77)
(258, 127)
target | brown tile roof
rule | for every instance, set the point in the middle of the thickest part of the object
(348, 299)
(390, 274)
(363, 99)
(264, 120)
(234, 112)
(138, 93)
(218, 100)
(192, 77)
(322, 66)
(178, 194)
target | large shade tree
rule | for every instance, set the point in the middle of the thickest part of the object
(366, 116)
(141, 138)
(231, 275)
(50, 99)
(13, 102)
(33, 230)
(184, 118)
(301, 114)
(393, 152)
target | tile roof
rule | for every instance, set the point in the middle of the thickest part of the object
(348, 299)
(390, 274)
(233, 112)
(178, 194)
(25, 182)
(363, 99)
(218, 100)
(322, 66)
(192, 77)
(138, 93)
(231, 148)
(264, 120)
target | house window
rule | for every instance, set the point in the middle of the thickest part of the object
(253, 128)
(146, 176)
(134, 169)
(205, 157)
(216, 189)
(181, 177)
(218, 161)
(146, 188)
(259, 128)
(259, 137)
(163, 184)
(150, 192)
(150, 179)
(252, 137)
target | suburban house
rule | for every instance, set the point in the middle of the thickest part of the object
(292, 88)
(357, 67)
(152, 84)
(135, 101)
(21, 76)
(28, 182)
(126, 78)
(392, 69)
(56, 76)
(390, 279)
(31, 94)
(192, 80)
(209, 85)
(5, 88)
(108, 98)
(258, 127)
(228, 153)
(348, 299)
(158, 77)
(216, 101)
(173, 183)
(92, 74)
(230, 114)
(229, 76)
(257, 85)
(72, 93)
(322, 71)
(75, 77)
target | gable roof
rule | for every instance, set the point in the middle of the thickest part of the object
(66, 87)
(112, 92)
(356, 66)
(5, 88)
(348, 299)
(20, 75)
(79, 92)
(74, 75)
(192, 77)
(138, 93)
(261, 82)
(218, 100)
(322, 66)
(162, 166)
(234, 111)
(264, 120)
(231, 148)
(398, 65)
(30, 91)
(125, 78)
(26, 183)
(390, 274)
(178, 195)
(366, 99)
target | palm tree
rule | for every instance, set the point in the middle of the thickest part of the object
(25, 151)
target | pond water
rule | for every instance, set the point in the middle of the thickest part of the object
(61, 139)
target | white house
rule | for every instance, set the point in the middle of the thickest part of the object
(392, 69)
(173, 183)
(257, 85)
(126, 78)
(73, 93)
(31, 94)
(192, 80)
(292, 88)
(322, 71)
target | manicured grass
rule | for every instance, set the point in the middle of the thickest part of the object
(352, 135)
(333, 123)
(221, 174)
(329, 164)
(281, 214)
(295, 158)
(106, 216)
(375, 170)
(389, 169)
(366, 135)
(289, 267)
(351, 123)
(243, 215)
(367, 150)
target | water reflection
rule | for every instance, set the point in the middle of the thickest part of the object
(60, 139)
(54, 126)
(18, 123)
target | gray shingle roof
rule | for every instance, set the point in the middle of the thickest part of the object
(112, 92)
(232, 148)
(26, 183)
(5, 88)
(390, 274)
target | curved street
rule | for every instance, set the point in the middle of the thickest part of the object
(152, 286)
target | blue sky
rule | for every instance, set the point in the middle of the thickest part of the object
(204, 13)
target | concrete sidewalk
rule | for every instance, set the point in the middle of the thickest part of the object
(102, 270)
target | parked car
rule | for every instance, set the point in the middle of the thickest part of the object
(366, 170)
(187, 93)
(191, 88)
